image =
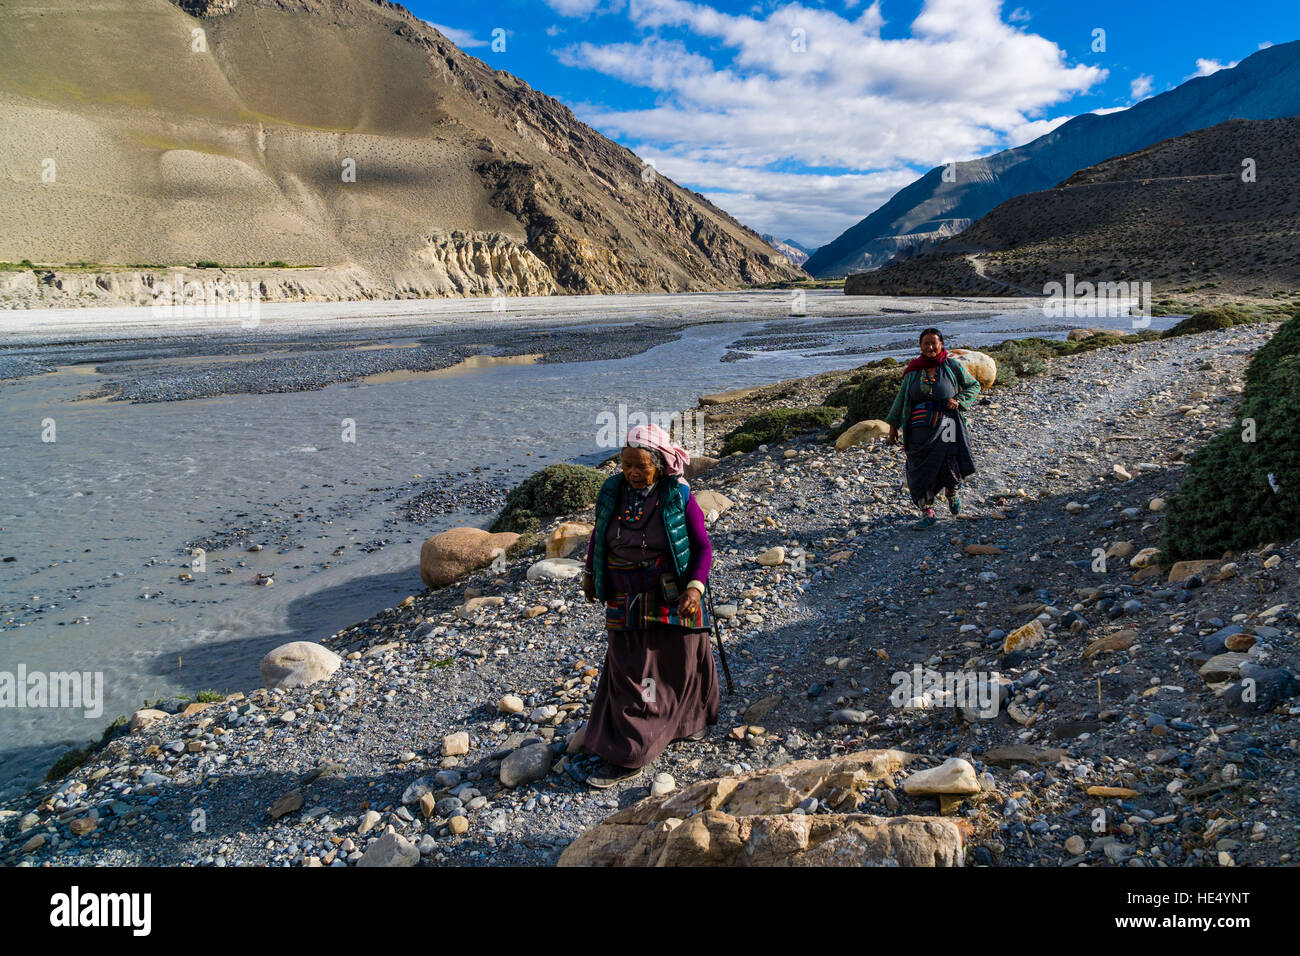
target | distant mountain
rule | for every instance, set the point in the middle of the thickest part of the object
(1265, 85)
(794, 251)
(347, 135)
(1185, 215)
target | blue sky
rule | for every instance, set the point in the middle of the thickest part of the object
(801, 118)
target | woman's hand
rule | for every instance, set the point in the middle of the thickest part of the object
(589, 586)
(688, 608)
(893, 435)
(953, 404)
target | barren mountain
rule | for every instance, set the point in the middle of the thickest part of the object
(1214, 212)
(794, 251)
(946, 200)
(348, 136)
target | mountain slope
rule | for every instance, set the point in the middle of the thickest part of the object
(792, 250)
(1182, 214)
(1265, 85)
(345, 134)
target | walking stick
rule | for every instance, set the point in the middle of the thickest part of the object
(717, 639)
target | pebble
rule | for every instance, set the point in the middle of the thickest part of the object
(663, 783)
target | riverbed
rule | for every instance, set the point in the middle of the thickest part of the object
(293, 450)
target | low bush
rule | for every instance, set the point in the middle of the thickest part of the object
(776, 425)
(554, 491)
(1228, 500)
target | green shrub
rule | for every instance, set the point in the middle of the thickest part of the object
(554, 491)
(1208, 320)
(841, 397)
(777, 424)
(1017, 358)
(73, 759)
(69, 762)
(1226, 501)
(871, 399)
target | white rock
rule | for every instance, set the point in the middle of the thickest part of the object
(954, 775)
(391, 849)
(298, 664)
(662, 783)
(555, 569)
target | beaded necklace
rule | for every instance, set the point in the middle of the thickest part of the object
(633, 514)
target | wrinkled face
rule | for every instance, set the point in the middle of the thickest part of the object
(638, 467)
(931, 345)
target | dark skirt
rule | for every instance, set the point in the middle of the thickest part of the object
(659, 684)
(938, 454)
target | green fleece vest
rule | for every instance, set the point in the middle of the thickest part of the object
(672, 501)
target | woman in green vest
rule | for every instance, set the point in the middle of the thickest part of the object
(929, 410)
(648, 560)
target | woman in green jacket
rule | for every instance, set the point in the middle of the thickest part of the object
(935, 392)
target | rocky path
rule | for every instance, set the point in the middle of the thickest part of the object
(977, 264)
(448, 719)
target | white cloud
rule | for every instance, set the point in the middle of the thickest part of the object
(582, 8)
(1141, 88)
(1205, 67)
(1107, 110)
(1266, 44)
(554, 30)
(1019, 15)
(797, 87)
(462, 38)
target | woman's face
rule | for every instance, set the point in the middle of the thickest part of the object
(638, 467)
(931, 345)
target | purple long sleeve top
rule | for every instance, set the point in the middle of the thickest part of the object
(701, 548)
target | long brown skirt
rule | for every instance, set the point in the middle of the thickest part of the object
(658, 684)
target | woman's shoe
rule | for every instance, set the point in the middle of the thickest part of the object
(607, 774)
(929, 521)
(954, 504)
(698, 735)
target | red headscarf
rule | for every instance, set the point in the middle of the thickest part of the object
(924, 361)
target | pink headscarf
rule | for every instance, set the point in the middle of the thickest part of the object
(653, 437)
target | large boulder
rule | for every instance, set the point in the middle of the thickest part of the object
(979, 364)
(568, 538)
(712, 503)
(454, 553)
(863, 431)
(746, 820)
(698, 465)
(298, 664)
